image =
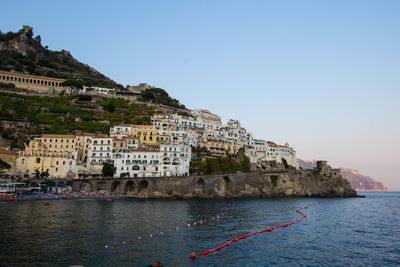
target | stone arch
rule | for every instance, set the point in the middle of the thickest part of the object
(200, 186)
(225, 185)
(116, 187)
(102, 186)
(143, 186)
(175, 161)
(61, 184)
(85, 187)
(129, 188)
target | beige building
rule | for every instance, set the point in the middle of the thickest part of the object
(56, 164)
(40, 84)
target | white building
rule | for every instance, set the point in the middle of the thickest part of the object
(100, 151)
(98, 90)
(168, 160)
(207, 120)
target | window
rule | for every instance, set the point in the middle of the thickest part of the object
(37, 160)
(57, 162)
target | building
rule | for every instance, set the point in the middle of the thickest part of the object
(100, 151)
(206, 119)
(163, 160)
(39, 84)
(146, 134)
(56, 164)
(98, 90)
(138, 88)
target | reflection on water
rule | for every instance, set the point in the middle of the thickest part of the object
(340, 232)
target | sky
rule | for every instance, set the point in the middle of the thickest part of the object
(323, 76)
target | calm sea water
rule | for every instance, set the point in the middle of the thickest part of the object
(342, 232)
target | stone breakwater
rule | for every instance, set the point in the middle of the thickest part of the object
(283, 183)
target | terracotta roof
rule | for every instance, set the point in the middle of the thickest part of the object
(3, 151)
(143, 126)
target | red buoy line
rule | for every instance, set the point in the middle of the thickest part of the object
(192, 256)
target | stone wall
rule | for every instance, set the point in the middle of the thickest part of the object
(292, 183)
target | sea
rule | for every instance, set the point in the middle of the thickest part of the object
(131, 232)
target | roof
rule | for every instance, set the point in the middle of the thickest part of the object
(58, 136)
(142, 150)
(3, 151)
(84, 134)
(144, 126)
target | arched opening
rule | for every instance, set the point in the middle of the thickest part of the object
(69, 186)
(116, 187)
(225, 185)
(129, 188)
(143, 187)
(166, 161)
(102, 187)
(61, 184)
(135, 168)
(175, 161)
(199, 190)
(85, 187)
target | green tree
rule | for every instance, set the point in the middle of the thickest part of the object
(108, 169)
(4, 165)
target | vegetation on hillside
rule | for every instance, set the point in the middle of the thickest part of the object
(219, 165)
(66, 114)
(160, 96)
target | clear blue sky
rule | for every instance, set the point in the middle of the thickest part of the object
(322, 75)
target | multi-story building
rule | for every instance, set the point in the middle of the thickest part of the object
(206, 119)
(123, 130)
(56, 164)
(146, 134)
(100, 151)
(163, 160)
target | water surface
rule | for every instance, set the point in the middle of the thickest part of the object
(342, 232)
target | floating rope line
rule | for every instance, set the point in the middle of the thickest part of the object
(193, 255)
(177, 228)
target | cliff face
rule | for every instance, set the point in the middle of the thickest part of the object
(358, 181)
(361, 182)
(293, 183)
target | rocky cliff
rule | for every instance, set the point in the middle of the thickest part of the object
(358, 181)
(21, 52)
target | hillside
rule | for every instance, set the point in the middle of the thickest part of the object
(24, 113)
(21, 52)
(358, 181)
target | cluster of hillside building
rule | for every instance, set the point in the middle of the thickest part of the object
(161, 149)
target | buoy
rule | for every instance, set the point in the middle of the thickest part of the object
(236, 239)
(97, 249)
(131, 240)
(47, 204)
(157, 264)
(192, 256)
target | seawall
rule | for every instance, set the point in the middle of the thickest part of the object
(283, 183)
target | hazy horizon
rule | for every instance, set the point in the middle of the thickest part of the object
(322, 76)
